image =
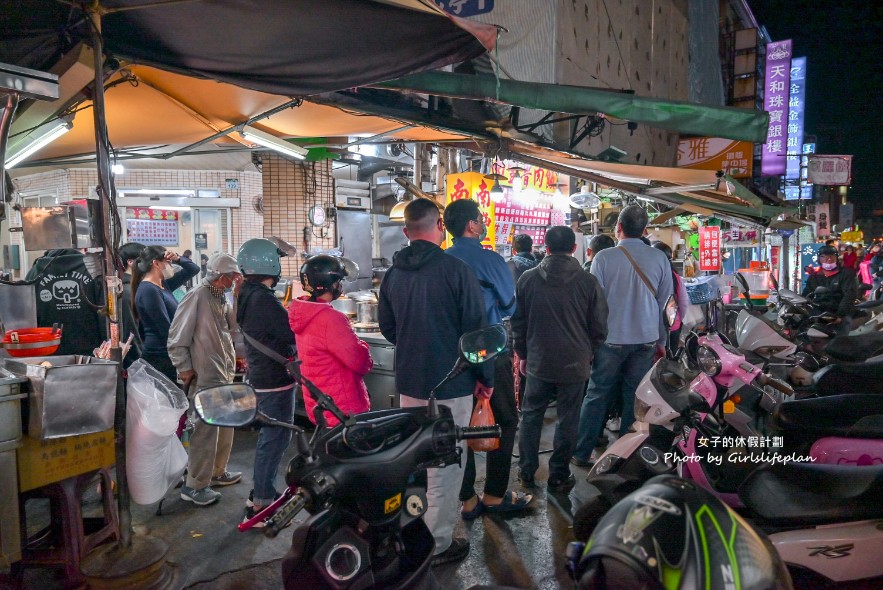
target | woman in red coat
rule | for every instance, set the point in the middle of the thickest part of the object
(332, 356)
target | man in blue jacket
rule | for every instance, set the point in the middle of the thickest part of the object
(465, 222)
(427, 301)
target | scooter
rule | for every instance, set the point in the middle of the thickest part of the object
(360, 480)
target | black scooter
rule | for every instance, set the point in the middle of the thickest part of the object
(358, 482)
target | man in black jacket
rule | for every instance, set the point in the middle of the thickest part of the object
(840, 282)
(68, 294)
(262, 318)
(560, 318)
(427, 301)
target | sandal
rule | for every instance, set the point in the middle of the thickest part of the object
(512, 502)
(475, 512)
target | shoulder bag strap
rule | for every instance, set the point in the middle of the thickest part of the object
(637, 270)
(266, 350)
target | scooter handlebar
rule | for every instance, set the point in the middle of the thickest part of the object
(776, 384)
(467, 432)
(283, 516)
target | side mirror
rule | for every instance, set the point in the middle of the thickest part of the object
(227, 405)
(821, 291)
(670, 312)
(482, 345)
(807, 361)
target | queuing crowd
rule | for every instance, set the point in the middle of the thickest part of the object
(582, 336)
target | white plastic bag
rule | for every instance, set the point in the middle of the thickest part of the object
(155, 458)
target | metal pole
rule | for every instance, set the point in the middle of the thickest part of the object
(105, 188)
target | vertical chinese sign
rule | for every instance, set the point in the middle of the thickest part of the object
(777, 83)
(796, 100)
(709, 248)
(473, 185)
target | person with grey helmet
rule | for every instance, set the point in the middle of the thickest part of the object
(840, 282)
(332, 356)
(201, 348)
(263, 319)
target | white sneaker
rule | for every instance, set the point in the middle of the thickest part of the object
(613, 424)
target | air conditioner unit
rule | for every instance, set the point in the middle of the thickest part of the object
(352, 194)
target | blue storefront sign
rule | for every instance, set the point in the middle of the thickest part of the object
(466, 7)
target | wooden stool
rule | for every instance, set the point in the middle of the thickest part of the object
(70, 539)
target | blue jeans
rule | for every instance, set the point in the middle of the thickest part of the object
(628, 362)
(272, 442)
(537, 396)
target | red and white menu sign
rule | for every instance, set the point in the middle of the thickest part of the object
(520, 214)
(709, 248)
(150, 233)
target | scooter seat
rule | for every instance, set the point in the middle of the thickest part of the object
(803, 494)
(854, 349)
(837, 415)
(838, 378)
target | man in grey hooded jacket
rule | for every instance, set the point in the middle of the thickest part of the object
(201, 348)
(560, 319)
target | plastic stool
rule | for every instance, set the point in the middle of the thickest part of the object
(72, 541)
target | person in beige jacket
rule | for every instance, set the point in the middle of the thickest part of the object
(201, 348)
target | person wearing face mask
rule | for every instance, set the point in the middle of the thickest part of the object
(263, 320)
(153, 304)
(840, 282)
(334, 358)
(466, 223)
(201, 348)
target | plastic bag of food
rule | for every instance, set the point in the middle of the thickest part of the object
(482, 415)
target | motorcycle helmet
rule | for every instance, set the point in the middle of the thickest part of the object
(323, 273)
(826, 251)
(260, 257)
(673, 534)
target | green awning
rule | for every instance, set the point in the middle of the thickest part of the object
(674, 115)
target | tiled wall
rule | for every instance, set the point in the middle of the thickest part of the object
(290, 189)
(70, 184)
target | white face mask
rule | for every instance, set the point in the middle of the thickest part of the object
(829, 265)
(168, 272)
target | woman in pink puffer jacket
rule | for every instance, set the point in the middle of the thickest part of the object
(332, 356)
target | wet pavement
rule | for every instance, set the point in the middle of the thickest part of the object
(523, 550)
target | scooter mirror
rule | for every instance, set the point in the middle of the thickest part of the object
(227, 405)
(482, 345)
(807, 361)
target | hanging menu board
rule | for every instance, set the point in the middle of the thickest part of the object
(152, 233)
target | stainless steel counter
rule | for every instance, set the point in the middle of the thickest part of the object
(381, 380)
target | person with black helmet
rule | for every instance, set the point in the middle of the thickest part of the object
(262, 319)
(334, 358)
(840, 282)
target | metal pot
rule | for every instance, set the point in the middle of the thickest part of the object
(345, 305)
(367, 312)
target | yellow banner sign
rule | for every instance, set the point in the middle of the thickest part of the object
(714, 153)
(473, 185)
(41, 462)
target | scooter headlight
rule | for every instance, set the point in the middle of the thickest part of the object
(708, 361)
(641, 409)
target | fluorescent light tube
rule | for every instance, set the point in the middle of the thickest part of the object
(43, 135)
(169, 208)
(157, 191)
(252, 135)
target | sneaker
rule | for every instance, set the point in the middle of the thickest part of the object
(250, 513)
(613, 424)
(586, 463)
(250, 502)
(458, 550)
(561, 485)
(202, 497)
(228, 478)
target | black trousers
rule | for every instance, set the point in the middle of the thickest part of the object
(499, 462)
